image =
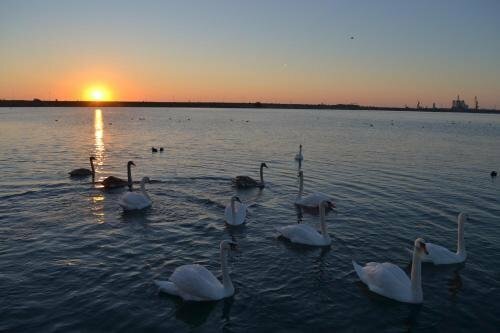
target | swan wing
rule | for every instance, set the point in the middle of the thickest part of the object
(302, 234)
(80, 172)
(385, 279)
(133, 201)
(245, 181)
(314, 199)
(440, 255)
(196, 283)
(241, 213)
(112, 182)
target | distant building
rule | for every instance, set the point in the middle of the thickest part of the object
(459, 105)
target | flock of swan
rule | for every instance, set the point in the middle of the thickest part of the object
(196, 283)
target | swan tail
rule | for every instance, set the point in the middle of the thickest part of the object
(167, 287)
(358, 269)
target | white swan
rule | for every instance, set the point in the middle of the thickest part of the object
(439, 255)
(312, 200)
(307, 235)
(299, 157)
(134, 200)
(235, 213)
(196, 283)
(391, 281)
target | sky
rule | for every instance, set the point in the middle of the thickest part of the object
(247, 51)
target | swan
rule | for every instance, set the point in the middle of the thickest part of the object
(154, 150)
(196, 283)
(235, 214)
(247, 182)
(299, 157)
(307, 235)
(439, 255)
(134, 200)
(115, 182)
(82, 172)
(312, 200)
(391, 281)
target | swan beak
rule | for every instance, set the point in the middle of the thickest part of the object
(237, 199)
(425, 249)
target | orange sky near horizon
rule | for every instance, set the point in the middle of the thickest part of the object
(285, 86)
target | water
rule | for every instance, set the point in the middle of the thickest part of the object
(70, 260)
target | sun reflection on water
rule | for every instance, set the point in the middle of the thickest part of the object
(99, 136)
(98, 198)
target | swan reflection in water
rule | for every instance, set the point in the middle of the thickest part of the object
(455, 284)
(196, 314)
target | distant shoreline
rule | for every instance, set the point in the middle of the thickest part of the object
(42, 103)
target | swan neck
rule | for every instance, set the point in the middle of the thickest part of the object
(262, 174)
(460, 239)
(92, 166)
(129, 176)
(143, 189)
(226, 280)
(416, 277)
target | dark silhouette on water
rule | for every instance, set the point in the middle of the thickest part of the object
(249, 182)
(114, 182)
(82, 172)
(101, 104)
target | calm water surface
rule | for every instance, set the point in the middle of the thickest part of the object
(71, 260)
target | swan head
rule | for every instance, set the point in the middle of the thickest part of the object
(462, 217)
(92, 158)
(235, 198)
(327, 204)
(263, 165)
(228, 245)
(420, 246)
(130, 163)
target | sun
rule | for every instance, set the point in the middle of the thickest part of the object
(97, 94)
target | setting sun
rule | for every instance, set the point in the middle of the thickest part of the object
(97, 94)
